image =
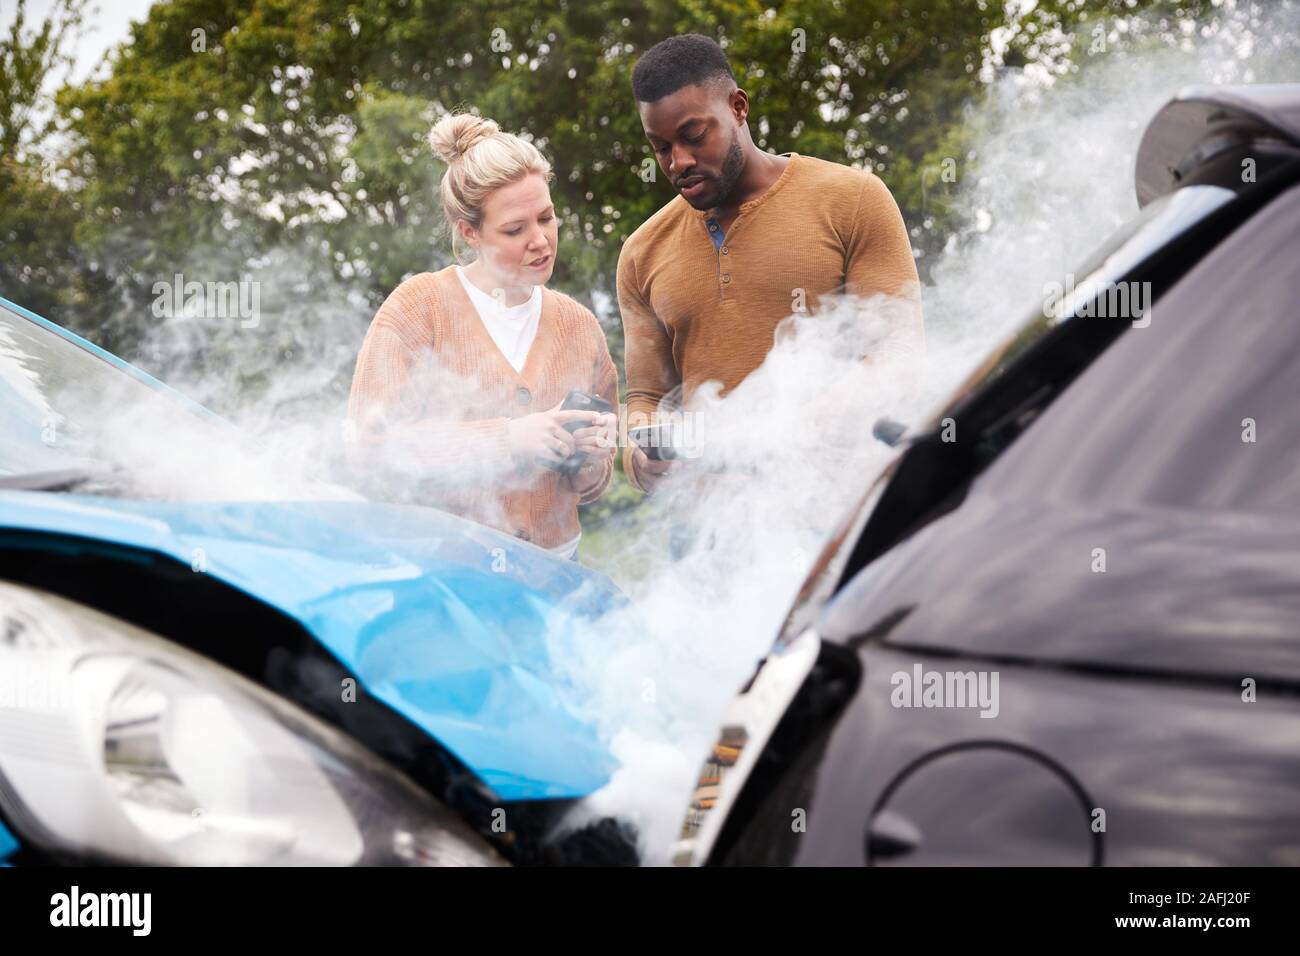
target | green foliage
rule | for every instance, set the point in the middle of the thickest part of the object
(28, 61)
(252, 125)
(302, 123)
(40, 265)
(284, 140)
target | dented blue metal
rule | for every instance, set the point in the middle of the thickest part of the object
(442, 619)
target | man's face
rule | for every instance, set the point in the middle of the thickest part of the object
(695, 135)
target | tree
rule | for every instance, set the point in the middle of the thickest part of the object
(40, 264)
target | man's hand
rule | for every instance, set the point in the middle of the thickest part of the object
(541, 437)
(648, 471)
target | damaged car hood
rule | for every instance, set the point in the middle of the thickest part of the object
(447, 622)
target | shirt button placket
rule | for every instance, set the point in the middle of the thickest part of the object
(714, 228)
(724, 250)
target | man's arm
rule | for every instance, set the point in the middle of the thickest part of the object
(878, 260)
(647, 358)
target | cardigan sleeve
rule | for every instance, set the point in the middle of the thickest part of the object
(605, 384)
(387, 436)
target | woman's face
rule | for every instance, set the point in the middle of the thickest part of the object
(519, 234)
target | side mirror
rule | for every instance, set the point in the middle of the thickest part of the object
(888, 431)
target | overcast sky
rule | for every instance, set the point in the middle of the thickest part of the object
(107, 24)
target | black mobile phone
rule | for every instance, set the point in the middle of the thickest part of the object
(583, 402)
(657, 441)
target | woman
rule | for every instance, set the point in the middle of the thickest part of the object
(459, 383)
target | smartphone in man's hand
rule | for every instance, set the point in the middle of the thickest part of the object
(659, 442)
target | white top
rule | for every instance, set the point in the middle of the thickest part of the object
(512, 328)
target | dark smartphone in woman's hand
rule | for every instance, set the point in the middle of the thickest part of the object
(584, 402)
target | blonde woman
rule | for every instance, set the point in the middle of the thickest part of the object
(457, 391)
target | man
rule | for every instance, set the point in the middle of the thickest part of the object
(751, 238)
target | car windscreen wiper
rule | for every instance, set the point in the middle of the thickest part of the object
(60, 479)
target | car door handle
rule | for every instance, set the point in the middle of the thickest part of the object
(891, 834)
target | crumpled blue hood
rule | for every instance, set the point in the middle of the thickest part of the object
(442, 619)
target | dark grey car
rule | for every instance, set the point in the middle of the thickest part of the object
(1063, 627)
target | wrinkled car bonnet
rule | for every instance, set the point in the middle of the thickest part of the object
(443, 620)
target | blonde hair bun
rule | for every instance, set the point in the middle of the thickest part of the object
(480, 158)
(456, 134)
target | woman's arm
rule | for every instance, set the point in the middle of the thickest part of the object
(590, 482)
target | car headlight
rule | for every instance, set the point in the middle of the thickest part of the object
(119, 745)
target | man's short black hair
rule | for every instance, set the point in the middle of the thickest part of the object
(685, 60)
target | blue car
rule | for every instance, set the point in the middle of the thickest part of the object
(316, 680)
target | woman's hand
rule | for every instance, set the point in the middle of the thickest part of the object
(541, 437)
(599, 439)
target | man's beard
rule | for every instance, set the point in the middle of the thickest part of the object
(732, 166)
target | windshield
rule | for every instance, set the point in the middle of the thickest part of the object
(78, 419)
(75, 419)
(62, 404)
(1122, 251)
(930, 473)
